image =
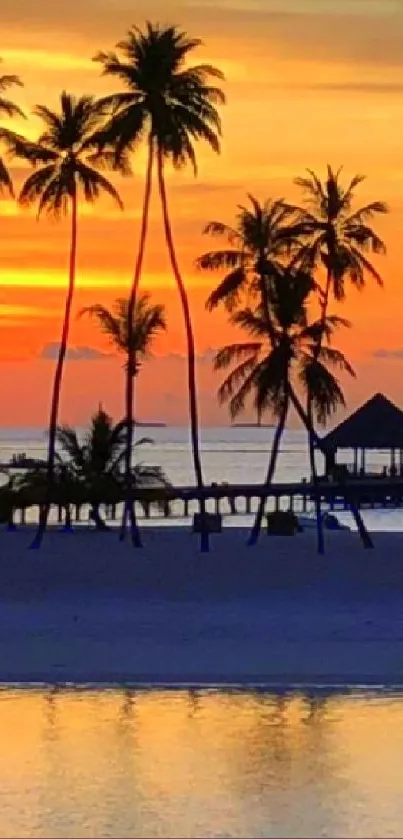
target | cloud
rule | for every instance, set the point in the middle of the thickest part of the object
(388, 354)
(201, 358)
(341, 87)
(80, 353)
(366, 29)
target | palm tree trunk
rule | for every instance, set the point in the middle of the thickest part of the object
(316, 489)
(57, 383)
(254, 534)
(129, 506)
(365, 537)
(193, 410)
(311, 443)
(99, 522)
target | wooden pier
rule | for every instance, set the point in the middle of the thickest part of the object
(243, 499)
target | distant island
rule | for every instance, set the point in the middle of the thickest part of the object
(151, 424)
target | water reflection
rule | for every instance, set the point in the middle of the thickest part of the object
(199, 763)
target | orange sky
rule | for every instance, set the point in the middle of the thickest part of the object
(308, 82)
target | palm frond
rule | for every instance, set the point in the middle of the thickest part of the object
(228, 291)
(238, 399)
(233, 352)
(93, 184)
(217, 260)
(253, 322)
(109, 324)
(67, 439)
(335, 358)
(364, 263)
(240, 380)
(36, 184)
(6, 184)
(217, 228)
(367, 212)
(271, 382)
(326, 393)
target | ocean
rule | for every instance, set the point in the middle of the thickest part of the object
(199, 763)
(230, 454)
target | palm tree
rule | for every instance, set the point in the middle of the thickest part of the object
(7, 109)
(264, 234)
(337, 238)
(172, 106)
(131, 331)
(95, 462)
(269, 370)
(66, 165)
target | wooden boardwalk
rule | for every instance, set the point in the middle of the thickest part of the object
(243, 499)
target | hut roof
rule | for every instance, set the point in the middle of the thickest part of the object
(378, 424)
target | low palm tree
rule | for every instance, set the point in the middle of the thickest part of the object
(270, 370)
(66, 167)
(337, 238)
(96, 462)
(131, 332)
(7, 109)
(172, 106)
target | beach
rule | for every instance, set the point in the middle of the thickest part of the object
(88, 609)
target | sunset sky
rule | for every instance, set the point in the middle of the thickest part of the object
(308, 82)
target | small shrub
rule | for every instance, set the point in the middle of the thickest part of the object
(282, 523)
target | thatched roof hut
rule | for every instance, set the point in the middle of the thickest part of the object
(378, 424)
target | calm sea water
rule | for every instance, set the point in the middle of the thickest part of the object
(199, 763)
(235, 455)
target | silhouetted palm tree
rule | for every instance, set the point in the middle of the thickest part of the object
(269, 369)
(131, 332)
(173, 106)
(337, 238)
(263, 235)
(7, 109)
(95, 462)
(66, 166)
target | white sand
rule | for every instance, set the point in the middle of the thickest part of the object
(86, 608)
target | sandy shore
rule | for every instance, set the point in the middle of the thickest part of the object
(86, 608)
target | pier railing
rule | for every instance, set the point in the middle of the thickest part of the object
(243, 499)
